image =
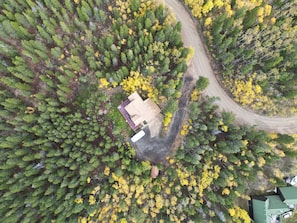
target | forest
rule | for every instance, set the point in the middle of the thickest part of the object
(65, 151)
(254, 43)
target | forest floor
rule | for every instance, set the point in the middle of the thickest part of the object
(201, 65)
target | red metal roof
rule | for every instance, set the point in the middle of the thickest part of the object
(125, 114)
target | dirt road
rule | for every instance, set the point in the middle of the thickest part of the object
(201, 66)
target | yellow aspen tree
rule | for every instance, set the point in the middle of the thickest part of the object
(209, 174)
(267, 10)
(207, 7)
(240, 4)
(229, 11)
(239, 215)
(273, 20)
(218, 3)
(226, 191)
(137, 82)
(260, 15)
(167, 120)
(207, 21)
(197, 11)
(190, 54)
(103, 83)
(185, 130)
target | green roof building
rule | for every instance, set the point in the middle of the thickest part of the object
(266, 208)
(288, 195)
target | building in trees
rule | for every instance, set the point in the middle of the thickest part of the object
(288, 195)
(275, 207)
(137, 111)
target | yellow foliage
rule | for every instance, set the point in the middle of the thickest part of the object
(159, 201)
(145, 5)
(218, 3)
(240, 4)
(62, 56)
(279, 152)
(106, 171)
(173, 200)
(252, 163)
(226, 191)
(103, 83)
(92, 200)
(278, 173)
(195, 95)
(247, 93)
(123, 7)
(273, 20)
(137, 82)
(232, 212)
(168, 190)
(260, 173)
(261, 161)
(273, 135)
(88, 180)
(207, 7)
(224, 128)
(267, 10)
(231, 183)
(208, 21)
(211, 213)
(239, 215)
(170, 19)
(123, 220)
(82, 220)
(201, 7)
(183, 175)
(167, 119)
(250, 4)
(273, 181)
(209, 174)
(185, 130)
(229, 11)
(146, 164)
(197, 11)
(29, 110)
(222, 157)
(104, 212)
(260, 14)
(95, 190)
(245, 142)
(190, 54)
(93, 213)
(258, 89)
(196, 6)
(78, 200)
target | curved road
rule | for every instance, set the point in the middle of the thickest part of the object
(200, 65)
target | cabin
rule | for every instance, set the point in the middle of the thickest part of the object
(138, 112)
(275, 207)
